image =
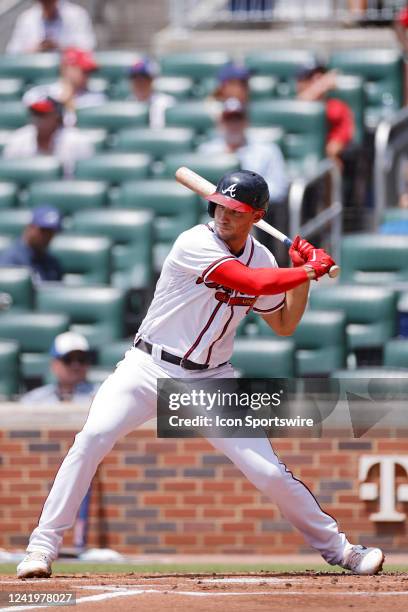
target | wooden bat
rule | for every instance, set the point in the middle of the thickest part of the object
(204, 188)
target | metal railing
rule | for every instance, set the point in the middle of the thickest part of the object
(186, 14)
(316, 208)
(391, 149)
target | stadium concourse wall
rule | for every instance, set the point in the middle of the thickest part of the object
(181, 496)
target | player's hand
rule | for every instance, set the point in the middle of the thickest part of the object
(320, 263)
(300, 251)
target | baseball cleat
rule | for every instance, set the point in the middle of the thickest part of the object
(35, 565)
(362, 560)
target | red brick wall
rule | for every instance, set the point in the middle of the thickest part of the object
(172, 496)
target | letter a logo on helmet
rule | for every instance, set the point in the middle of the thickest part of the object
(242, 190)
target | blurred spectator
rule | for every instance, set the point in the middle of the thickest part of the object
(400, 28)
(73, 89)
(46, 134)
(141, 77)
(31, 250)
(52, 25)
(233, 82)
(70, 363)
(264, 158)
(313, 84)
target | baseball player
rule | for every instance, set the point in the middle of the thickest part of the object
(212, 276)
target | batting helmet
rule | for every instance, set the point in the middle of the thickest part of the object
(242, 190)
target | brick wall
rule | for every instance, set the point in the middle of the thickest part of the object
(172, 496)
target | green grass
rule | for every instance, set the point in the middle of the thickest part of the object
(167, 568)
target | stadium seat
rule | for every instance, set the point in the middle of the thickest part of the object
(131, 231)
(4, 138)
(8, 195)
(10, 89)
(194, 64)
(113, 116)
(27, 170)
(370, 259)
(94, 311)
(18, 284)
(5, 242)
(201, 115)
(13, 221)
(13, 115)
(396, 353)
(394, 222)
(85, 260)
(350, 89)
(264, 358)
(114, 167)
(262, 87)
(114, 64)
(178, 87)
(283, 64)
(211, 168)
(304, 124)
(35, 332)
(69, 195)
(109, 355)
(30, 67)
(370, 312)
(9, 369)
(381, 70)
(155, 142)
(98, 137)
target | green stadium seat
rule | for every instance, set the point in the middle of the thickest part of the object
(98, 137)
(374, 259)
(35, 333)
(264, 358)
(9, 369)
(201, 115)
(94, 311)
(5, 242)
(13, 221)
(69, 195)
(197, 65)
(396, 353)
(211, 168)
(155, 142)
(30, 169)
(283, 64)
(304, 124)
(18, 284)
(8, 195)
(10, 89)
(370, 312)
(381, 70)
(13, 115)
(262, 87)
(114, 115)
(131, 231)
(85, 260)
(30, 67)
(112, 353)
(4, 138)
(180, 88)
(114, 167)
(114, 64)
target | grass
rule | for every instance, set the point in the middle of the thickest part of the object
(167, 568)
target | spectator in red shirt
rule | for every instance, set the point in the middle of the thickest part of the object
(313, 84)
(400, 28)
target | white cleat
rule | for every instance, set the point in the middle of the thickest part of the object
(35, 565)
(363, 561)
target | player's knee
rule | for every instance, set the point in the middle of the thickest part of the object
(267, 477)
(99, 443)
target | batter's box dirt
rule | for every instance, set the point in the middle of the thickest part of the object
(275, 591)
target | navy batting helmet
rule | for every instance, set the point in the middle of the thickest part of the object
(241, 190)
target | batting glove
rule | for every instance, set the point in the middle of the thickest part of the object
(320, 262)
(301, 251)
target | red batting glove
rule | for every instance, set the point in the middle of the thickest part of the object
(320, 262)
(303, 248)
(296, 257)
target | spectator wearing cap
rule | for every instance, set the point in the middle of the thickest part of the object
(233, 82)
(52, 25)
(31, 249)
(313, 84)
(264, 158)
(46, 134)
(141, 76)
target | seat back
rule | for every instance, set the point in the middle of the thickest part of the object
(13, 221)
(264, 358)
(10, 89)
(396, 353)
(194, 64)
(371, 259)
(211, 168)
(200, 115)
(155, 142)
(13, 115)
(8, 195)
(18, 284)
(9, 369)
(114, 167)
(30, 67)
(115, 64)
(34, 331)
(113, 116)
(69, 195)
(84, 259)
(27, 170)
(283, 64)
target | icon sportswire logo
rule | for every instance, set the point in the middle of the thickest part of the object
(230, 190)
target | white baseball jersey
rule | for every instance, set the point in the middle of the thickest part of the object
(194, 318)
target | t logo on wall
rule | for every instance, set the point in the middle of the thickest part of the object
(386, 491)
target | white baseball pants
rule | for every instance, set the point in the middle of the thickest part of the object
(127, 399)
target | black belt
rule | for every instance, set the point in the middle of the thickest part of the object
(170, 358)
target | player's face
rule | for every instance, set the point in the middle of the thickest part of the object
(232, 226)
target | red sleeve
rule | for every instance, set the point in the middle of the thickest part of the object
(257, 281)
(402, 17)
(340, 121)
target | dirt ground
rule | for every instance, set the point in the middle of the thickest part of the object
(272, 591)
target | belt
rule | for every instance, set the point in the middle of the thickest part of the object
(170, 358)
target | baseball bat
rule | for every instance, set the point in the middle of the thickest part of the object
(204, 188)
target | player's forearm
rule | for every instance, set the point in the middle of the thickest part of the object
(258, 281)
(294, 307)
